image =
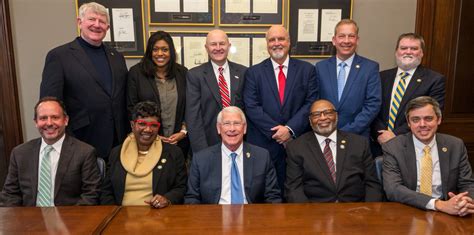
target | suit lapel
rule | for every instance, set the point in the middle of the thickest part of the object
(332, 71)
(67, 153)
(290, 79)
(271, 80)
(35, 150)
(234, 81)
(410, 159)
(216, 173)
(340, 156)
(355, 67)
(443, 164)
(387, 92)
(313, 145)
(112, 64)
(248, 169)
(211, 81)
(158, 171)
(151, 82)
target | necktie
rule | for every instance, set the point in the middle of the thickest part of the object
(236, 193)
(223, 89)
(281, 84)
(397, 99)
(329, 160)
(426, 172)
(43, 198)
(341, 80)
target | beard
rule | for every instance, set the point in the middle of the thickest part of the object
(277, 54)
(324, 131)
(408, 62)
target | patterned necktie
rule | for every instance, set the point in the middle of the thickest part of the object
(426, 172)
(236, 193)
(223, 89)
(45, 189)
(341, 79)
(329, 160)
(281, 84)
(397, 99)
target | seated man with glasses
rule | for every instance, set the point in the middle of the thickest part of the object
(232, 172)
(329, 165)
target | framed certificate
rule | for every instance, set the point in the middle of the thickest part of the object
(127, 32)
(247, 13)
(312, 25)
(181, 12)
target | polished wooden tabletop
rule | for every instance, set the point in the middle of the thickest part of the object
(338, 218)
(55, 220)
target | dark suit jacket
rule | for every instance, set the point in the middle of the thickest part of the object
(77, 178)
(169, 181)
(309, 180)
(95, 116)
(204, 182)
(425, 82)
(142, 88)
(400, 171)
(203, 102)
(361, 98)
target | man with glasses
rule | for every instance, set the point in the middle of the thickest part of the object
(329, 165)
(217, 174)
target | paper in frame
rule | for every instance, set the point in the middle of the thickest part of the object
(195, 53)
(308, 25)
(200, 6)
(237, 6)
(329, 19)
(123, 24)
(259, 50)
(239, 52)
(178, 48)
(265, 6)
(167, 6)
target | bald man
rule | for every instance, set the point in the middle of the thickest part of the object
(210, 88)
(277, 95)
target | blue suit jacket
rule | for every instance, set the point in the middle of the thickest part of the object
(262, 101)
(361, 99)
(205, 176)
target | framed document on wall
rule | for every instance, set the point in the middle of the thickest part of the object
(181, 12)
(126, 33)
(312, 23)
(245, 48)
(247, 13)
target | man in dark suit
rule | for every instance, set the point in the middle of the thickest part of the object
(232, 172)
(329, 165)
(90, 79)
(349, 81)
(396, 92)
(277, 96)
(205, 92)
(426, 169)
(54, 170)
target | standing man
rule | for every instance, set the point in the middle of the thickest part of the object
(426, 169)
(54, 170)
(329, 165)
(400, 85)
(90, 79)
(210, 88)
(349, 81)
(277, 95)
(232, 172)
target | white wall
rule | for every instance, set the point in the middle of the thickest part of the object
(40, 25)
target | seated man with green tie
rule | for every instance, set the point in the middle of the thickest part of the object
(232, 172)
(426, 169)
(54, 170)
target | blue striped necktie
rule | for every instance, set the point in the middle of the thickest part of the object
(236, 193)
(397, 99)
(45, 184)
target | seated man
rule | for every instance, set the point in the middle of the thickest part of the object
(325, 165)
(54, 170)
(232, 172)
(425, 169)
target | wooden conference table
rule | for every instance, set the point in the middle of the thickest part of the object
(335, 218)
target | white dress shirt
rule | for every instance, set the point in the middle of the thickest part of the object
(225, 72)
(276, 69)
(54, 157)
(226, 173)
(332, 144)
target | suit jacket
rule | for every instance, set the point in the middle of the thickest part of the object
(203, 102)
(77, 179)
(309, 180)
(361, 98)
(96, 117)
(205, 177)
(143, 88)
(169, 181)
(424, 82)
(400, 171)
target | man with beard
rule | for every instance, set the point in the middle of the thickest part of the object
(277, 95)
(402, 84)
(329, 165)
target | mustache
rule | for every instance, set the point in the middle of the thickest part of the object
(277, 47)
(408, 56)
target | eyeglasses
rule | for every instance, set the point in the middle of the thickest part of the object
(229, 124)
(143, 124)
(327, 113)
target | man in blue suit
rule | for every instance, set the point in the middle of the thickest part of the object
(277, 95)
(232, 172)
(349, 81)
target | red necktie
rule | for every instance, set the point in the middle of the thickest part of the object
(329, 160)
(281, 84)
(223, 89)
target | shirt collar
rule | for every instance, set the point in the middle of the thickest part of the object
(411, 71)
(56, 146)
(285, 63)
(227, 152)
(419, 146)
(348, 61)
(216, 67)
(322, 139)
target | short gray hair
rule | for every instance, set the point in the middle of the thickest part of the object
(231, 109)
(421, 102)
(93, 7)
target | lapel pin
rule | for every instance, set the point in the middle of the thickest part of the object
(342, 146)
(237, 77)
(418, 80)
(357, 66)
(444, 149)
(111, 53)
(248, 155)
(163, 160)
(343, 141)
(159, 167)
